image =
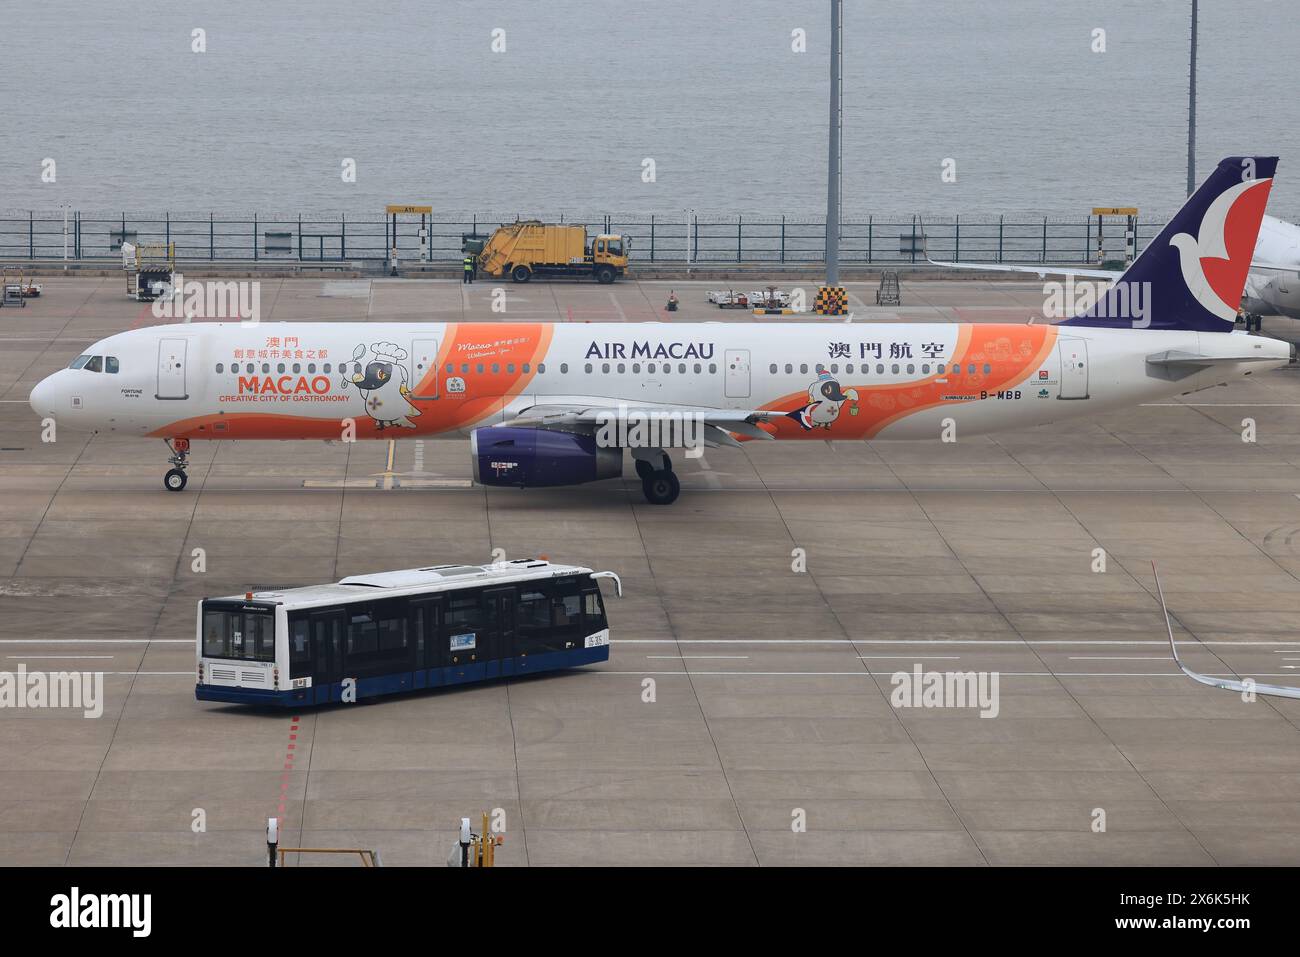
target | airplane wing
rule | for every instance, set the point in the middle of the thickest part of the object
(1040, 271)
(1227, 684)
(718, 424)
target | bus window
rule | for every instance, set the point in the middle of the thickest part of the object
(533, 621)
(566, 613)
(363, 636)
(238, 634)
(463, 628)
(299, 648)
(593, 612)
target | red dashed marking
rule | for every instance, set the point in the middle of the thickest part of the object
(288, 766)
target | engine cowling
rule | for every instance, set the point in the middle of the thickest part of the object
(536, 458)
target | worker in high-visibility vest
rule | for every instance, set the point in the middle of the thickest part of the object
(469, 269)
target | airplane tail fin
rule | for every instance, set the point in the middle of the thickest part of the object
(1192, 275)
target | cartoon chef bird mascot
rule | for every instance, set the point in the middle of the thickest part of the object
(384, 387)
(825, 399)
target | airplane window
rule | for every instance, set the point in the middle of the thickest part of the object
(894, 368)
(911, 369)
(297, 367)
(622, 367)
(636, 367)
(564, 368)
(94, 364)
(78, 362)
(803, 368)
(970, 369)
(510, 368)
(880, 368)
(788, 368)
(451, 367)
(604, 367)
(681, 368)
(698, 368)
(526, 367)
(940, 368)
(713, 367)
(849, 368)
(588, 369)
(496, 367)
(987, 368)
(479, 368)
(327, 368)
(464, 368)
(651, 368)
(925, 368)
(541, 367)
(311, 367)
(220, 367)
(280, 367)
(820, 368)
(266, 367)
(110, 364)
(835, 368)
(772, 368)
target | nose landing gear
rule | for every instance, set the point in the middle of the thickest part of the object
(176, 478)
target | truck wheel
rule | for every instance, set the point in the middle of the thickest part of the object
(604, 274)
(521, 274)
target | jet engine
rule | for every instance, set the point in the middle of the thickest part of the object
(536, 458)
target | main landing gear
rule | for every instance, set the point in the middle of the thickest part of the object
(658, 482)
(176, 478)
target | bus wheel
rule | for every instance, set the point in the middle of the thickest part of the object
(604, 275)
(661, 488)
(174, 480)
(520, 274)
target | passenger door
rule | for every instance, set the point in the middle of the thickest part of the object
(327, 655)
(426, 629)
(1074, 368)
(171, 369)
(499, 606)
(424, 369)
(737, 362)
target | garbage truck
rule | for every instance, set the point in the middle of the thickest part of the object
(531, 248)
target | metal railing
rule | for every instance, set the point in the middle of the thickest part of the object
(343, 238)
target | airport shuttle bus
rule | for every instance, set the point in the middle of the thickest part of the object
(397, 631)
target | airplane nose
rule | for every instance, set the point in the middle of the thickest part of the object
(42, 397)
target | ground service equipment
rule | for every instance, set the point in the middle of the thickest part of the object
(531, 248)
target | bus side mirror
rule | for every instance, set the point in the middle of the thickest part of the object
(618, 582)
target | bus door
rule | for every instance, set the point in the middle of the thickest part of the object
(327, 654)
(426, 627)
(499, 609)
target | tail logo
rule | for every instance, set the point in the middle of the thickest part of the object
(1215, 263)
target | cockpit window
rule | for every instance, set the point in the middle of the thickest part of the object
(110, 364)
(94, 364)
(78, 362)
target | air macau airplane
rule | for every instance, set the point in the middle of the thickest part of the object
(537, 400)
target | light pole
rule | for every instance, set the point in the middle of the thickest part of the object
(833, 193)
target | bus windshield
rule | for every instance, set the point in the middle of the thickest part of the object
(241, 633)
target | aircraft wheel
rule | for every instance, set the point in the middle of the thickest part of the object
(643, 469)
(661, 488)
(175, 480)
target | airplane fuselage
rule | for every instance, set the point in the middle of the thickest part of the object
(431, 380)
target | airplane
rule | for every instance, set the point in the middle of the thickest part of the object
(1241, 686)
(1272, 285)
(551, 404)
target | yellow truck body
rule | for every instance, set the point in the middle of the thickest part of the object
(531, 248)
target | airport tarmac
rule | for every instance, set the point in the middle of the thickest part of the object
(771, 686)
